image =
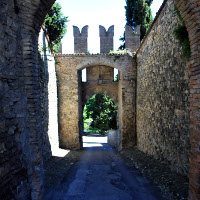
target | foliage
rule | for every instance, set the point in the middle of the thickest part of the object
(55, 24)
(138, 12)
(181, 35)
(116, 77)
(119, 51)
(101, 111)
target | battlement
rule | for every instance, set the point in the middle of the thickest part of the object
(80, 39)
(106, 39)
(132, 38)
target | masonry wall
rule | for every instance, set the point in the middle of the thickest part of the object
(100, 79)
(21, 126)
(48, 95)
(163, 93)
(106, 39)
(68, 95)
(13, 115)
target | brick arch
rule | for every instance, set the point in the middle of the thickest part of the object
(190, 12)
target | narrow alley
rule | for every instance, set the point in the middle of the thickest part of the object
(102, 174)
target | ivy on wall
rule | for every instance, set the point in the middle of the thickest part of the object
(182, 36)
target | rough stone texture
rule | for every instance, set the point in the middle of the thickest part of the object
(100, 79)
(20, 116)
(68, 73)
(80, 39)
(174, 185)
(106, 39)
(190, 12)
(132, 38)
(20, 24)
(13, 104)
(113, 138)
(163, 94)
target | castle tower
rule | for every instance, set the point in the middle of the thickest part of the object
(80, 39)
(132, 38)
(106, 39)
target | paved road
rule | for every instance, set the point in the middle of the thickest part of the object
(101, 174)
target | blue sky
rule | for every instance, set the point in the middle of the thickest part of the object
(95, 13)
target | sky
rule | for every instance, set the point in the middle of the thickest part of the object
(94, 13)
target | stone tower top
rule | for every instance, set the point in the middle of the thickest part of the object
(132, 38)
(80, 39)
(106, 39)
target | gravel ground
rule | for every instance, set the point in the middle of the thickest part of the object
(56, 168)
(172, 184)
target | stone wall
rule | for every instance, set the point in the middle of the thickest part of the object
(80, 39)
(21, 149)
(68, 73)
(132, 38)
(106, 39)
(13, 103)
(113, 138)
(48, 96)
(163, 94)
(100, 79)
(20, 104)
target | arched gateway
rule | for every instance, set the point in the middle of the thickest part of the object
(21, 124)
(73, 94)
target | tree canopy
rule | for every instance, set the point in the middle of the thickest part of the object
(55, 24)
(101, 109)
(138, 12)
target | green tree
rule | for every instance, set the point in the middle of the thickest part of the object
(138, 12)
(103, 112)
(55, 24)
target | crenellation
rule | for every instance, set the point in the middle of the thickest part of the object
(106, 39)
(166, 92)
(132, 38)
(80, 39)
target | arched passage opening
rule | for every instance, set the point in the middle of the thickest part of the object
(99, 116)
(73, 93)
(29, 18)
(98, 84)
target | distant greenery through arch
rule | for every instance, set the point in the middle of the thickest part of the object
(99, 114)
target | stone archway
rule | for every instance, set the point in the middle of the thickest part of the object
(29, 16)
(69, 95)
(100, 79)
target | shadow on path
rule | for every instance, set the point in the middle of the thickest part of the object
(101, 174)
